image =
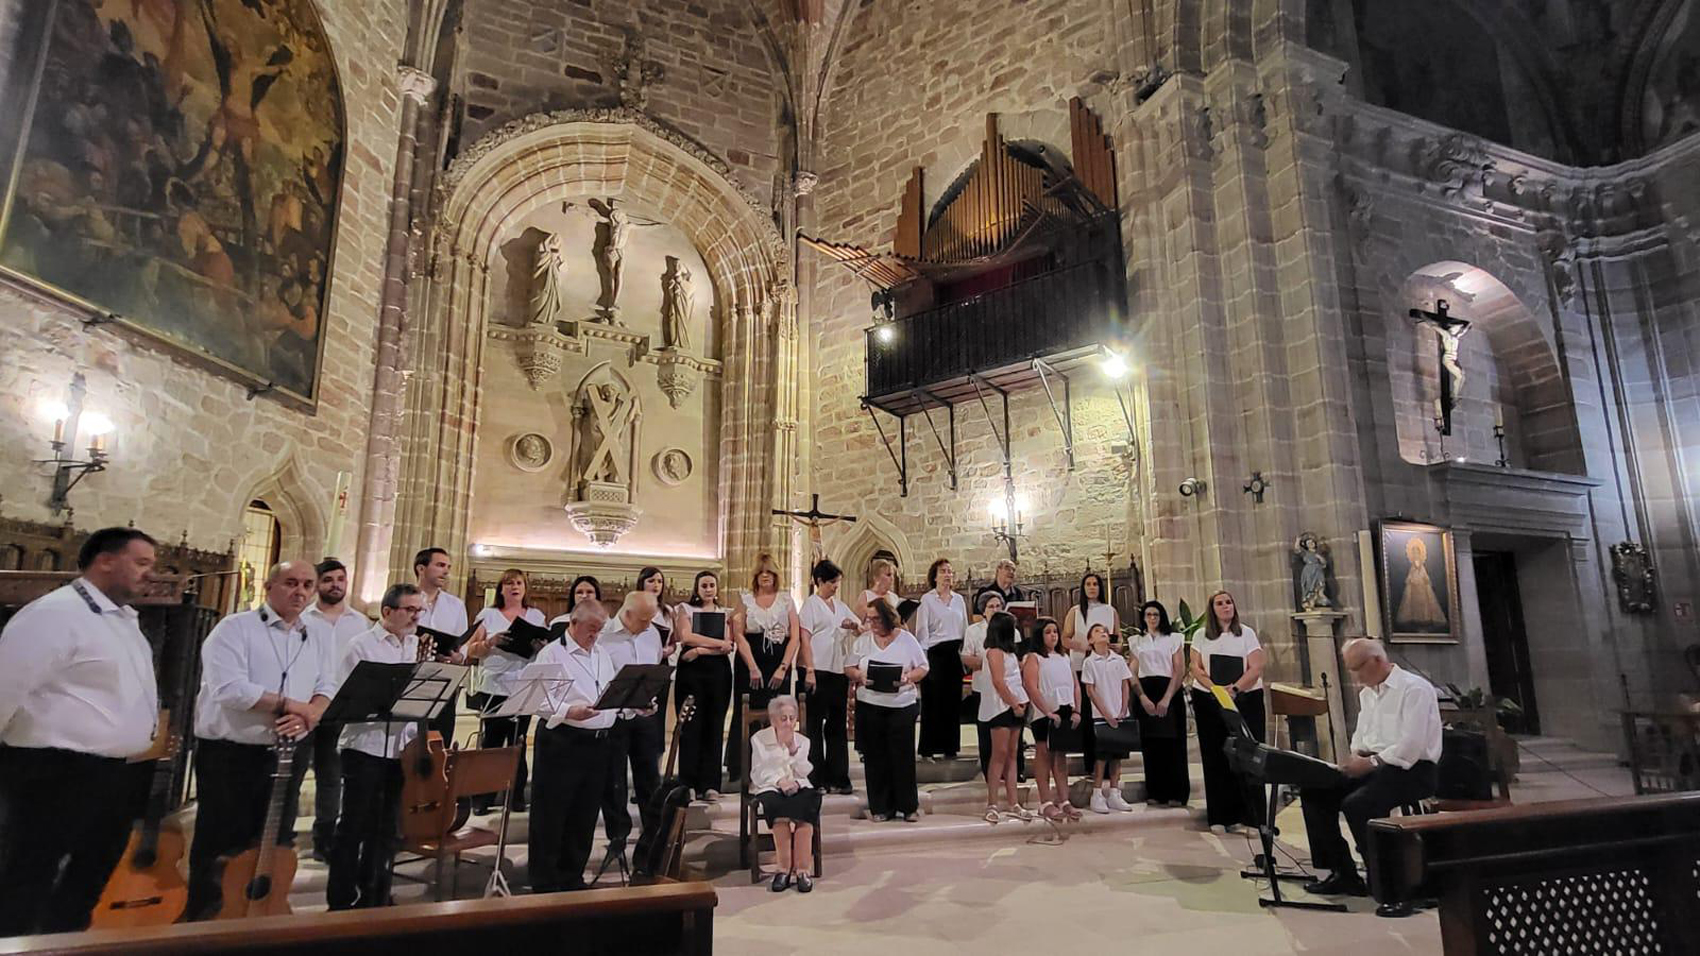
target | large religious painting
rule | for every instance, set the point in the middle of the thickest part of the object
(1419, 582)
(174, 165)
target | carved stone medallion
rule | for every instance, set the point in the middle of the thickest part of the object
(530, 452)
(672, 466)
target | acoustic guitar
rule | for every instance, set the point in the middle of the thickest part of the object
(256, 881)
(426, 815)
(653, 860)
(147, 889)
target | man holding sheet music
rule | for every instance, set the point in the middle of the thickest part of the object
(630, 637)
(575, 754)
(366, 830)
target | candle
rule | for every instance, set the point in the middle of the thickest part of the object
(58, 431)
(97, 444)
(1498, 416)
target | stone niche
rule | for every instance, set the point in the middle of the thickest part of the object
(600, 410)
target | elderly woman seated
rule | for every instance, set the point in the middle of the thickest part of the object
(779, 781)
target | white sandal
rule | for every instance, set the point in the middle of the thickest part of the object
(992, 816)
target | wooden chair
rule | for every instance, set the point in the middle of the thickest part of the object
(472, 773)
(753, 838)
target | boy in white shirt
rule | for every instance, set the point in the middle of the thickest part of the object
(1107, 679)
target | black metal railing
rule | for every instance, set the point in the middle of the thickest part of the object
(1038, 317)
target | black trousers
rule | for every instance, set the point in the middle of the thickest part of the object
(886, 738)
(368, 832)
(1228, 799)
(233, 789)
(1360, 800)
(941, 701)
(327, 785)
(636, 742)
(64, 820)
(1162, 742)
(570, 782)
(828, 730)
(701, 742)
(501, 732)
(768, 658)
(983, 737)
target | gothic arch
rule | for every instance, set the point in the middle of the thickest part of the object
(871, 533)
(293, 500)
(548, 158)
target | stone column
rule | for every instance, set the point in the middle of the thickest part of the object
(749, 432)
(1322, 666)
(383, 439)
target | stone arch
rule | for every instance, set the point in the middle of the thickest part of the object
(549, 158)
(294, 501)
(1511, 348)
(872, 533)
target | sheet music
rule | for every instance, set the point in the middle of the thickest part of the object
(433, 684)
(541, 692)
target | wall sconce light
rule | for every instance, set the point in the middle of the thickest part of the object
(68, 419)
(1007, 523)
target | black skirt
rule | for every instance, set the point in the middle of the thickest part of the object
(800, 807)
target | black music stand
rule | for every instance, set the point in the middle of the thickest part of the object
(1240, 735)
(636, 687)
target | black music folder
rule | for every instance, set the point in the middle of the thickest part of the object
(906, 608)
(524, 639)
(1225, 670)
(709, 624)
(636, 687)
(883, 677)
(443, 642)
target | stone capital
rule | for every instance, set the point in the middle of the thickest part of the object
(415, 84)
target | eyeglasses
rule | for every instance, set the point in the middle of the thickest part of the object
(415, 611)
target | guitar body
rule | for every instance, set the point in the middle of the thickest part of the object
(144, 895)
(249, 892)
(426, 815)
(669, 799)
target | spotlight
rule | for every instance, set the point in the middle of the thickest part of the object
(1113, 366)
(885, 333)
(1192, 486)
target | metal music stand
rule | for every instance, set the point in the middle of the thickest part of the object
(540, 694)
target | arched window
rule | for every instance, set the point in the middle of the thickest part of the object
(262, 537)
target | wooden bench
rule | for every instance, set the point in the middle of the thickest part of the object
(662, 918)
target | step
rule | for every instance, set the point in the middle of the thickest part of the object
(1560, 755)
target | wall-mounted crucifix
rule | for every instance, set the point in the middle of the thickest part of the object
(1449, 329)
(814, 519)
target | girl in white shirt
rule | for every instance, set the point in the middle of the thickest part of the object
(1003, 710)
(1159, 670)
(830, 630)
(501, 678)
(885, 719)
(940, 623)
(1228, 650)
(1054, 695)
(779, 781)
(1106, 677)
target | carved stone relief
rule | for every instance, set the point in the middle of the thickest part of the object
(672, 466)
(530, 452)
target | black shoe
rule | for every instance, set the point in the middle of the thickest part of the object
(1340, 883)
(804, 883)
(781, 882)
(1394, 910)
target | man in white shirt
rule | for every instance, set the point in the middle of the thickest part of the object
(575, 756)
(344, 624)
(267, 676)
(77, 697)
(1395, 761)
(630, 637)
(371, 769)
(443, 612)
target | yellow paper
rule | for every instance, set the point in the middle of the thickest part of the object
(1222, 698)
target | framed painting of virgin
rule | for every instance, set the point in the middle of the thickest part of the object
(1419, 582)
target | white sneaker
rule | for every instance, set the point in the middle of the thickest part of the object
(1098, 805)
(1118, 802)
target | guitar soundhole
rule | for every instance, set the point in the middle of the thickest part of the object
(260, 888)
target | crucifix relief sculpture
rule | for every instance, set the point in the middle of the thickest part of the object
(1450, 331)
(606, 415)
(612, 234)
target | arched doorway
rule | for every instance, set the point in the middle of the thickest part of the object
(259, 549)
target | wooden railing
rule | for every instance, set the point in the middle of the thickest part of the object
(665, 918)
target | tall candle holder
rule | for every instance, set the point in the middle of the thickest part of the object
(1499, 437)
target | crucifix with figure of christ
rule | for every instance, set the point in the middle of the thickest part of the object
(1449, 329)
(814, 519)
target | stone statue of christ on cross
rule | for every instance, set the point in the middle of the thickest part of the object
(1449, 329)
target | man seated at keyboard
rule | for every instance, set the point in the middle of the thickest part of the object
(1394, 762)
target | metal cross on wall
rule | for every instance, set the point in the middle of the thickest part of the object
(1450, 330)
(814, 519)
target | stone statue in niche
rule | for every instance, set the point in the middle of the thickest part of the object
(677, 301)
(1311, 566)
(611, 236)
(605, 416)
(548, 282)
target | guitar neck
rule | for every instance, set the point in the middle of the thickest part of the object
(158, 797)
(687, 710)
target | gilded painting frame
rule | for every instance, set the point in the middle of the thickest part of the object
(247, 288)
(1418, 571)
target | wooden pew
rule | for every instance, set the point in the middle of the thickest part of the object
(663, 918)
(1609, 875)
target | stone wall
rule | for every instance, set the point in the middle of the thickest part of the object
(190, 449)
(716, 83)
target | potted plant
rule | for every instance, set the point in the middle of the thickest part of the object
(1478, 707)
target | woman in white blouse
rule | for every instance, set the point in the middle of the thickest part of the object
(882, 586)
(885, 719)
(1003, 711)
(1159, 659)
(705, 673)
(1228, 655)
(779, 782)
(830, 630)
(1093, 608)
(940, 623)
(766, 629)
(501, 678)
